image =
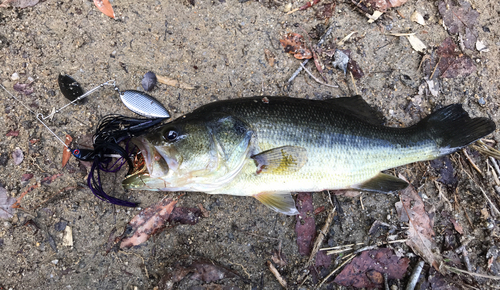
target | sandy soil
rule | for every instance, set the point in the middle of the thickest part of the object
(219, 47)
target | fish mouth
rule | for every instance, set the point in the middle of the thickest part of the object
(154, 163)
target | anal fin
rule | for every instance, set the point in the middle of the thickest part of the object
(382, 183)
(281, 160)
(281, 202)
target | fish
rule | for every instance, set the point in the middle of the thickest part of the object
(270, 147)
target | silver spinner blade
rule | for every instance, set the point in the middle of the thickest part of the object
(143, 104)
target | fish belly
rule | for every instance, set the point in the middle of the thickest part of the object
(340, 164)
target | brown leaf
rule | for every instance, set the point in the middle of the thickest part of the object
(66, 153)
(202, 269)
(293, 43)
(12, 133)
(452, 63)
(309, 4)
(420, 231)
(353, 66)
(184, 215)
(457, 226)
(367, 269)
(207, 271)
(325, 11)
(460, 18)
(19, 3)
(305, 228)
(148, 222)
(105, 7)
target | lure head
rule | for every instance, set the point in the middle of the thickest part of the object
(192, 153)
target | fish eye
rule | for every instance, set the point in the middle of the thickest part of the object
(171, 135)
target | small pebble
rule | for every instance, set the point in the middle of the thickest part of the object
(148, 81)
(55, 261)
(60, 226)
(18, 156)
(15, 77)
(481, 102)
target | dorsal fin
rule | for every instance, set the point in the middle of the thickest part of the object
(359, 108)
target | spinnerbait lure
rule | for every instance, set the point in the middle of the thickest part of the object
(112, 130)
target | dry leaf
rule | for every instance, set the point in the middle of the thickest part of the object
(105, 7)
(417, 17)
(19, 3)
(148, 222)
(293, 43)
(383, 5)
(376, 15)
(420, 233)
(305, 228)
(367, 269)
(416, 43)
(66, 153)
(174, 83)
(6, 202)
(460, 19)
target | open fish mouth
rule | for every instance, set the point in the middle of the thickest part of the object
(148, 160)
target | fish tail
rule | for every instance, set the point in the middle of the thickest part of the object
(452, 128)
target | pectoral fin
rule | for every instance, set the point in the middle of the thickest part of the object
(281, 160)
(382, 183)
(281, 202)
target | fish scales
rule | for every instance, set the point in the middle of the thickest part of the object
(267, 147)
(346, 150)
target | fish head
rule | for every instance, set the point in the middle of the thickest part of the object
(192, 154)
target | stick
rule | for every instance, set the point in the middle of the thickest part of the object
(415, 275)
(472, 162)
(276, 274)
(320, 42)
(307, 71)
(320, 238)
(335, 270)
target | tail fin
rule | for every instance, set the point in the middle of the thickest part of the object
(452, 128)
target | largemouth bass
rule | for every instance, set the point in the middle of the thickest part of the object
(269, 147)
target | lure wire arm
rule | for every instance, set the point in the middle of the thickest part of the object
(108, 83)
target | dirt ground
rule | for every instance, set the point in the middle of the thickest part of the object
(219, 46)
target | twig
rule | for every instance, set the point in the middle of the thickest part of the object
(484, 193)
(276, 274)
(495, 166)
(321, 237)
(320, 82)
(320, 42)
(386, 281)
(453, 269)
(17, 204)
(472, 162)
(432, 75)
(354, 83)
(441, 194)
(415, 275)
(334, 271)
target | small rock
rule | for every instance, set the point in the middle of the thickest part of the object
(55, 261)
(481, 101)
(14, 77)
(18, 156)
(148, 81)
(60, 226)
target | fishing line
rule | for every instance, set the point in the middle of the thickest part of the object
(111, 130)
